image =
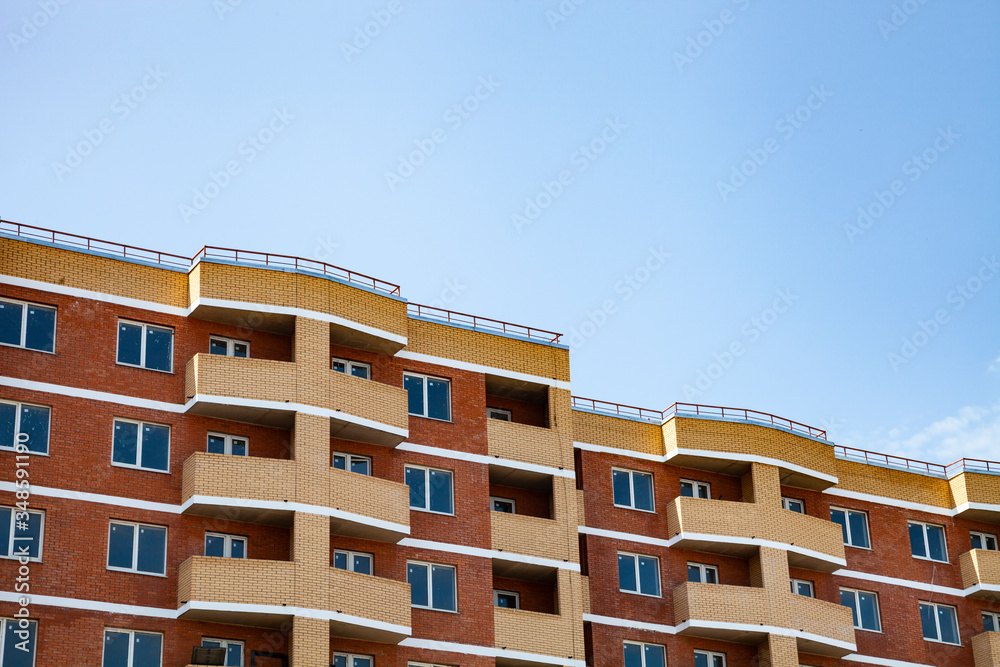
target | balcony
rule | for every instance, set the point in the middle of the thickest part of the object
(986, 649)
(521, 442)
(739, 529)
(747, 615)
(367, 411)
(976, 494)
(981, 574)
(529, 536)
(533, 638)
(263, 593)
(367, 507)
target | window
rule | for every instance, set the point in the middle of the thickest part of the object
(130, 648)
(430, 489)
(864, 606)
(21, 420)
(991, 621)
(137, 547)
(352, 660)
(984, 541)
(353, 561)
(927, 541)
(507, 599)
(793, 505)
(228, 347)
(709, 659)
(221, 545)
(939, 623)
(498, 413)
(802, 587)
(854, 525)
(145, 346)
(27, 325)
(638, 654)
(639, 574)
(506, 505)
(355, 368)
(352, 462)
(705, 574)
(632, 489)
(21, 533)
(227, 444)
(17, 649)
(692, 489)
(141, 445)
(432, 586)
(428, 396)
(234, 650)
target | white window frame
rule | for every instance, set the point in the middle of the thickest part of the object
(351, 656)
(430, 586)
(227, 548)
(794, 584)
(638, 581)
(642, 649)
(517, 598)
(507, 413)
(226, 643)
(850, 536)
(138, 445)
(426, 414)
(17, 427)
(785, 502)
(513, 504)
(696, 485)
(142, 345)
(995, 615)
(927, 547)
(348, 458)
(14, 511)
(230, 349)
(131, 643)
(350, 559)
(710, 655)
(857, 605)
(135, 549)
(937, 623)
(702, 568)
(24, 325)
(984, 538)
(3, 635)
(228, 446)
(631, 489)
(348, 365)
(427, 486)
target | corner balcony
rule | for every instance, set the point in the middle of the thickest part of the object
(533, 639)
(981, 574)
(747, 615)
(266, 392)
(263, 593)
(976, 489)
(739, 529)
(521, 442)
(986, 649)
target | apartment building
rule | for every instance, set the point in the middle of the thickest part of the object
(251, 459)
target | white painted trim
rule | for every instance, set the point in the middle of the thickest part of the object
(480, 368)
(481, 458)
(322, 614)
(487, 553)
(628, 537)
(656, 458)
(769, 629)
(905, 583)
(90, 394)
(906, 504)
(488, 651)
(977, 588)
(90, 605)
(102, 499)
(95, 296)
(886, 662)
(632, 625)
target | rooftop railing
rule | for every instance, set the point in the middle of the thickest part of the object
(892, 461)
(87, 243)
(486, 323)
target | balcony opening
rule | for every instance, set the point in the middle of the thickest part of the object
(517, 401)
(523, 492)
(530, 591)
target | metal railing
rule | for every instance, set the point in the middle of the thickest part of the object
(98, 245)
(618, 409)
(890, 460)
(483, 323)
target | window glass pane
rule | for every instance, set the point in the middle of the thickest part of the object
(927, 623)
(40, 334)
(414, 387)
(146, 649)
(14, 656)
(718, 661)
(5, 515)
(155, 447)
(703, 491)
(125, 438)
(359, 371)
(129, 344)
(505, 506)
(506, 600)
(838, 516)
(991, 543)
(687, 489)
(152, 549)
(360, 466)
(917, 540)
(216, 444)
(415, 480)
(626, 573)
(946, 620)
(796, 506)
(362, 564)
(238, 549)
(935, 542)
(362, 662)
(649, 576)
(701, 660)
(643, 489)
(35, 423)
(443, 583)
(438, 401)
(859, 529)
(115, 649)
(159, 349)
(694, 573)
(633, 655)
(234, 655)
(340, 560)
(440, 482)
(241, 350)
(8, 412)
(340, 461)
(977, 541)
(218, 346)
(847, 599)
(120, 545)
(710, 576)
(215, 545)
(654, 656)
(10, 323)
(340, 661)
(989, 623)
(620, 488)
(868, 608)
(416, 577)
(27, 535)
(239, 447)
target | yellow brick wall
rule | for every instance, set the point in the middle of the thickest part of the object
(778, 651)
(980, 567)
(546, 634)
(627, 434)
(309, 642)
(897, 484)
(986, 649)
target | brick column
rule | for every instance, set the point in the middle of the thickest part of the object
(309, 642)
(311, 452)
(311, 554)
(778, 651)
(762, 485)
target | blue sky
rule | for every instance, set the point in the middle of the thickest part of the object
(790, 207)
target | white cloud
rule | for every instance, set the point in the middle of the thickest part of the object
(995, 366)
